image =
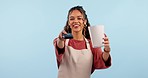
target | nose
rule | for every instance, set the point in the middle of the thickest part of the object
(75, 20)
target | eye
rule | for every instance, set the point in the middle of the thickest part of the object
(71, 18)
(79, 18)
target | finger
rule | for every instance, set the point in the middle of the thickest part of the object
(105, 39)
(106, 42)
(64, 32)
(61, 34)
(106, 45)
(105, 35)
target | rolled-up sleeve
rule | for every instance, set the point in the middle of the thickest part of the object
(98, 62)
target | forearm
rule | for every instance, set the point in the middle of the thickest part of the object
(106, 53)
(105, 56)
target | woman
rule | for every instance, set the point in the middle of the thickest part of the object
(76, 58)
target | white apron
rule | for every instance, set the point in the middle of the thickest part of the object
(76, 63)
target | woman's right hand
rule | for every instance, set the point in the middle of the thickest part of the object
(61, 35)
(60, 41)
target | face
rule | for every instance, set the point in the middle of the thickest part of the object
(76, 21)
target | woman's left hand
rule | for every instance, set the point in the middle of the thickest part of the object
(106, 44)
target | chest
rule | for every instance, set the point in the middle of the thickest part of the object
(77, 44)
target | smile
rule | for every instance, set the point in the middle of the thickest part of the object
(76, 26)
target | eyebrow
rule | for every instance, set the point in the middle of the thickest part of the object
(77, 16)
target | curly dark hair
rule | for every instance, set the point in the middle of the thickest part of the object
(85, 30)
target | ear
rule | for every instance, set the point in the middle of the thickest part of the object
(85, 21)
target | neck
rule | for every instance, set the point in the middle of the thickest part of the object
(78, 35)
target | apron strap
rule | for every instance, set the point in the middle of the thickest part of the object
(66, 42)
(87, 43)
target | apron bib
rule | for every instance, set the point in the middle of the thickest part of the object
(76, 63)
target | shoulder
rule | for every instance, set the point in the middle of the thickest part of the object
(89, 40)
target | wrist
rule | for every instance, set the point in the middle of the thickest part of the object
(107, 50)
(60, 43)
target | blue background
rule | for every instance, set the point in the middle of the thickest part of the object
(28, 28)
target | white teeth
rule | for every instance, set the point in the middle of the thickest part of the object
(76, 25)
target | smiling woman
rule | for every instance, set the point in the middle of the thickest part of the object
(77, 14)
(76, 23)
(76, 58)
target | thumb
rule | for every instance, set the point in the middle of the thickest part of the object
(105, 35)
